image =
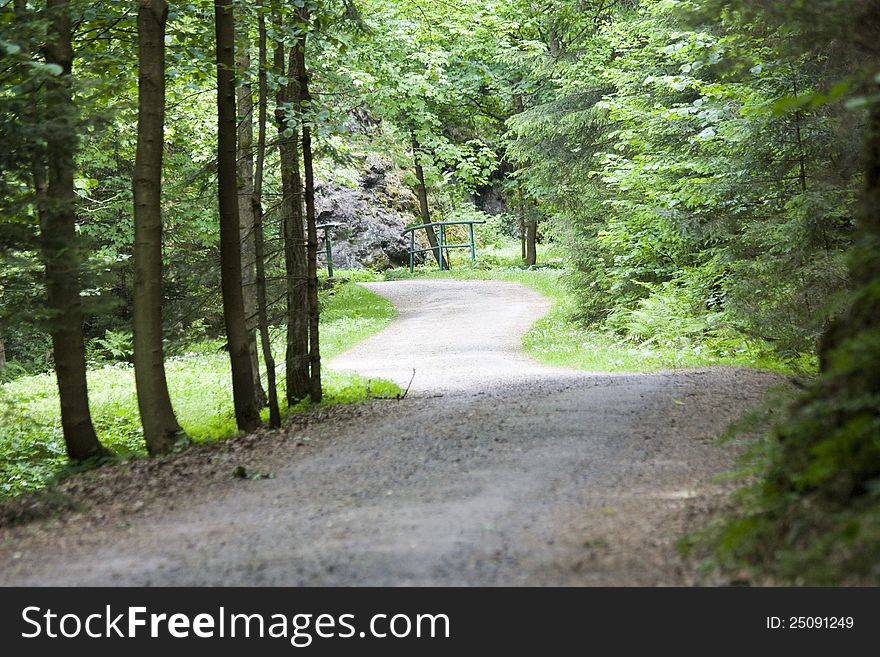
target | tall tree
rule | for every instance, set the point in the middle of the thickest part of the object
(305, 103)
(293, 234)
(245, 106)
(157, 416)
(60, 249)
(244, 396)
(259, 247)
(531, 236)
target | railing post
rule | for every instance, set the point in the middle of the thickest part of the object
(329, 250)
(412, 250)
(473, 250)
(441, 260)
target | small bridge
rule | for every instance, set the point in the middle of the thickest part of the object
(441, 251)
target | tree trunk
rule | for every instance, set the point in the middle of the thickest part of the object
(259, 248)
(297, 356)
(869, 226)
(157, 416)
(424, 210)
(531, 237)
(2, 351)
(245, 207)
(246, 411)
(521, 206)
(60, 251)
(305, 102)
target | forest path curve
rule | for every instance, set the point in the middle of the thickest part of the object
(460, 336)
(495, 470)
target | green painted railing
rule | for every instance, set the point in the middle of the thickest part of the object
(441, 251)
(328, 247)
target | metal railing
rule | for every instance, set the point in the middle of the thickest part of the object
(441, 251)
(328, 246)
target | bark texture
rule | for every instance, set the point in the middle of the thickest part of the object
(293, 234)
(245, 107)
(305, 102)
(154, 403)
(60, 251)
(259, 247)
(531, 239)
(244, 396)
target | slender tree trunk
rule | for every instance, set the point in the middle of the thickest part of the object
(297, 356)
(869, 225)
(521, 206)
(245, 208)
(802, 167)
(2, 351)
(246, 411)
(157, 416)
(305, 102)
(424, 210)
(60, 251)
(259, 247)
(531, 238)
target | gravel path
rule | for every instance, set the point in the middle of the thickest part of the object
(495, 470)
(461, 337)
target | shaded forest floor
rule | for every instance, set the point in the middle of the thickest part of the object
(494, 470)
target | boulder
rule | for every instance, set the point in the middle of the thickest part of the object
(370, 218)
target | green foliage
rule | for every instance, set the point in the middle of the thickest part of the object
(671, 314)
(115, 345)
(685, 190)
(812, 515)
(811, 512)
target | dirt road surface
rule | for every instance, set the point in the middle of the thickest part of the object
(495, 470)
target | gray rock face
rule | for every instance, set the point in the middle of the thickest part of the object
(371, 218)
(491, 199)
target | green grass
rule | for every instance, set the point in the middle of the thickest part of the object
(31, 442)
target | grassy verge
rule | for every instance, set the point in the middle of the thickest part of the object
(31, 443)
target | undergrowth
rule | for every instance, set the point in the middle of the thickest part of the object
(810, 512)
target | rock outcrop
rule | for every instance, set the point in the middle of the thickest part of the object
(370, 218)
